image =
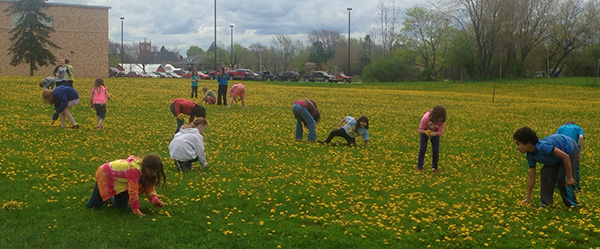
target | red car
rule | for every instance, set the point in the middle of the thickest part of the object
(340, 77)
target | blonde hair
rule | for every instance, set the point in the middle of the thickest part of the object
(48, 96)
(197, 122)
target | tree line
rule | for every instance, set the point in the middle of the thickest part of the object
(452, 39)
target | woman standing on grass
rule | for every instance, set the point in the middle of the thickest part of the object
(222, 78)
(194, 80)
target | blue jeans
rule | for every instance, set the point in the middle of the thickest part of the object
(120, 200)
(302, 115)
(435, 147)
(179, 121)
(575, 167)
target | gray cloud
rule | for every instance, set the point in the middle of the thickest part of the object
(187, 22)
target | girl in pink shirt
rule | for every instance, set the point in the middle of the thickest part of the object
(98, 99)
(431, 127)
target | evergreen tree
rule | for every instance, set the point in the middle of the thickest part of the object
(31, 35)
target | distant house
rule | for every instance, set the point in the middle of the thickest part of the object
(81, 33)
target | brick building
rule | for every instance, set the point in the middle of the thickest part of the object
(81, 32)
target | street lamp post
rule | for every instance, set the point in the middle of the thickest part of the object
(215, 42)
(348, 68)
(122, 18)
(231, 26)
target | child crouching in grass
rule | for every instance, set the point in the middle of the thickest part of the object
(557, 153)
(188, 145)
(350, 128)
(124, 180)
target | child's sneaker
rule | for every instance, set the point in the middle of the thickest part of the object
(178, 165)
(98, 127)
(75, 126)
(436, 170)
(420, 169)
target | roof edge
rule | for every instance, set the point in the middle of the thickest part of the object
(50, 4)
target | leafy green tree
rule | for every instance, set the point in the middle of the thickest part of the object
(31, 35)
(426, 33)
(400, 66)
(318, 54)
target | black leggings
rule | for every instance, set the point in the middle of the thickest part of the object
(341, 133)
(222, 93)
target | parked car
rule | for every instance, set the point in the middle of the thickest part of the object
(203, 76)
(132, 74)
(173, 75)
(319, 76)
(153, 75)
(163, 75)
(233, 74)
(288, 76)
(115, 72)
(266, 75)
(248, 74)
(340, 77)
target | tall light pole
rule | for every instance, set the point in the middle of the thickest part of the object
(231, 26)
(348, 68)
(215, 42)
(122, 65)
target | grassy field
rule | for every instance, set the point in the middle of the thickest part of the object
(263, 189)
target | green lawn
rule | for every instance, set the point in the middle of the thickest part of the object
(263, 189)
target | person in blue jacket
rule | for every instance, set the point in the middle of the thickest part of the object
(576, 133)
(222, 78)
(63, 98)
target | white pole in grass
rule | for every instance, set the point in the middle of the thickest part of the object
(548, 65)
(494, 91)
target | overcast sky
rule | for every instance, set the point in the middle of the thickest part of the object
(183, 23)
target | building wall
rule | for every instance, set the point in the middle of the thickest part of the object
(81, 32)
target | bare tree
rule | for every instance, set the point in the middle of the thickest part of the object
(528, 23)
(479, 20)
(574, 27)
(258, 50)
(287, 49)
(329, 38)
(389, 15)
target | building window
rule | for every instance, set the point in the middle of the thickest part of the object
(17, 17)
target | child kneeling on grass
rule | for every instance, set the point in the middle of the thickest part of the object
(188, 145)
(557, 153)
(350, 128)
(123, 180)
